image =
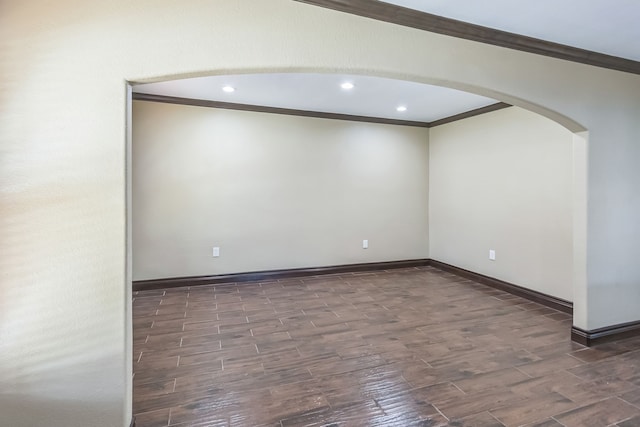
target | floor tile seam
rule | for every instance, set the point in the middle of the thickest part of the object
(202, 388)
(139, 414)
(197, 353)
(595, 402)
(626, 401)
(146, 306)
(188, 374)
(523, 372)
(621, 421)
(456, 386)
(440, 412)
(553, 417)
(171, 394)
(535, 421)
(483, 412)
(495, 418)
(509, 402)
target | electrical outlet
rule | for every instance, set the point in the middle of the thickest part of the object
(216, 251)
(365, 244)
(492, 255)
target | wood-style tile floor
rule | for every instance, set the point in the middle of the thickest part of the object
(411, 347)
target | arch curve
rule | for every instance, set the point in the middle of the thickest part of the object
(562, 119)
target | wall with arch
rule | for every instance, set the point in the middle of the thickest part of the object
(64, 310)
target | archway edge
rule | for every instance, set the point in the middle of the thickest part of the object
(563, 120)
(580, 147)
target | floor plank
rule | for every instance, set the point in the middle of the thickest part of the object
(408, 347)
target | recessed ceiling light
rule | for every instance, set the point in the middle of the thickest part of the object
(401, 108)
(228, 89)
(347, 85)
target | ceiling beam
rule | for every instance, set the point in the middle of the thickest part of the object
(437, 24)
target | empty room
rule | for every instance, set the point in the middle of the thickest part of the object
(296, 265)
(319, 213)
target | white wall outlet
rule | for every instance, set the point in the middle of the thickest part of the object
(365, 244)
(216, 251)
(492, 255)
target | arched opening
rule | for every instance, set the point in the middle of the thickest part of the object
(562, 119)
(578, 178)
(576, 171)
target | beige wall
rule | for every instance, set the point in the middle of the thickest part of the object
(272, 191)
(503, 181)
(275, 191)
(65, 352)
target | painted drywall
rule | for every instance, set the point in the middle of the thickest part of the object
(272, 191)
(502, 181)
(65, 353)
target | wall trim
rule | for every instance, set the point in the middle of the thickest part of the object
(581, 336)
(450, 27)
(606, 334)
(535, 296)
(174, 282)
(306, 113)
(471, 113)
(274, 110)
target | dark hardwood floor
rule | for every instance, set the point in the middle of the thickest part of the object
(411, 347)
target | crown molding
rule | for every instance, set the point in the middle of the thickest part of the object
(451, 27)
(317, 114)
(273, 110)
(478, 111)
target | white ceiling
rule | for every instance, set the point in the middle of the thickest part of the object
(371, 96)
(605, 26)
